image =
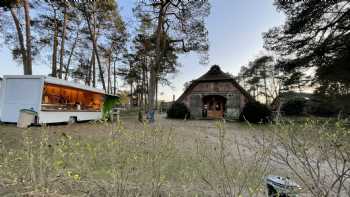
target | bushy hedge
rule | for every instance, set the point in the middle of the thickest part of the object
(293, 107)
(178, 111)
(323, 108)
(255, 112)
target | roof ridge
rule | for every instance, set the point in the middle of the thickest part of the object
(214, 74)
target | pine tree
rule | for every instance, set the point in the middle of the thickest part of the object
(185, 19)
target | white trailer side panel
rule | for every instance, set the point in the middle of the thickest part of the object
(19, 93)
(1, 97)
(56, 117)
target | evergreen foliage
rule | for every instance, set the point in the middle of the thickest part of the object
(323, 108)
(178, 111)
(314, 37)
(293, 107)
(255, 112)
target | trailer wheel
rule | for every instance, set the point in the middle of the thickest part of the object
(72, 120)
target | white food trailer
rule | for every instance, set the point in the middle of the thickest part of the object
(54, 100)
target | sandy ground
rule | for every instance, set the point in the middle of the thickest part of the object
(186, 128)
(186, 132)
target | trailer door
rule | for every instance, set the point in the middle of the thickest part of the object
(20, 94)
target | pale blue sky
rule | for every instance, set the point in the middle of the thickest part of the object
(235, 35)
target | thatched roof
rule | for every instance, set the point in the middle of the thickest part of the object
(215, 74)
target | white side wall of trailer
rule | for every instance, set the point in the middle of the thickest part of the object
(20, 93)
(1, 97)
(55, 117)
(25, 92)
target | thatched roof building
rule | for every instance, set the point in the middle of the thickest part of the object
(214, 95)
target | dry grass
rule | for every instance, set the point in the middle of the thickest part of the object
(169, 158)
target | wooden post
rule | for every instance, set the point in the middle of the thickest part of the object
(115, 112)
(118, 115)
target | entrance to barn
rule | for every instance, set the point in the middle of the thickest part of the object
(213, 106)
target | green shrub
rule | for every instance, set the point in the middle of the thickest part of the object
(343, 102)
(178, 111)
(323, 108)
(293, 107)
(255, 112)
(108, 104)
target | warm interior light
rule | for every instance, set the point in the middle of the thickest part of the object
(62, 98)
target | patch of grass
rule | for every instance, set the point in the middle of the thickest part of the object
(142, 162)
(176, 158)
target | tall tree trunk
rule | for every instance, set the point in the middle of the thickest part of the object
(146, 86)
(143, 84)
(109, 73)
(54, 50)
(63, 37)
(20, 39)
(265, 85)
(93, 57)
(152, 89)
(28, 70)
(131, 96)
(114, 78)
(94, 44)
(156, 103)
(88, 80)
(138, 95)
(93, 69)
(71, 55)
(157, 61)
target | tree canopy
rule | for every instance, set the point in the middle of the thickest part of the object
(178, 25)
(315, 39)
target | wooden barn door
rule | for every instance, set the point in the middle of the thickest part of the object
(215, 106)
